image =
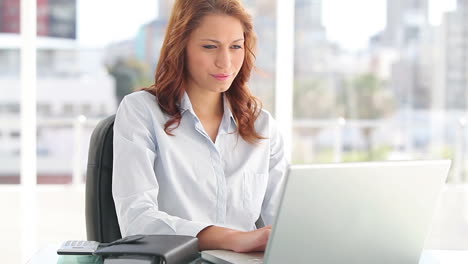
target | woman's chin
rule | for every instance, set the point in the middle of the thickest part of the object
(220, 89)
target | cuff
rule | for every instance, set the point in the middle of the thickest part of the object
(192, 228)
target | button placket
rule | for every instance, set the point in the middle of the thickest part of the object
(218, 167)
(222, 192)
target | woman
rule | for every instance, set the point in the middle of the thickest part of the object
(194, 154)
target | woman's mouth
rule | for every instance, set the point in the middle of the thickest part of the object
(221, 77)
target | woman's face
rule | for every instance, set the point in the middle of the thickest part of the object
(215, 53)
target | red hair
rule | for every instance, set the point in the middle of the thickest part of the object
(171, 69)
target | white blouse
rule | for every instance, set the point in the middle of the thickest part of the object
(181, 184)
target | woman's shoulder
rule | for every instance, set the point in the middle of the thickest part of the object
(142, 104)
(140, 97)
(265, 121)
(141, 100)
(265, 116)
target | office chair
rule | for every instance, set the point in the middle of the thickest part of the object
(101, 219)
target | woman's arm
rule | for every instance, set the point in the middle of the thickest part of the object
(135, 187)
(278, 166)
(215, 237)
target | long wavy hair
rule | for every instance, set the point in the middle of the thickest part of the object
(171, 69)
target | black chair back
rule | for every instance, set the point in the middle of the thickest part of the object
(101, 219)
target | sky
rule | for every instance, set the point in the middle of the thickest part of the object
(347, 22)
(351, 23)
(100, 22)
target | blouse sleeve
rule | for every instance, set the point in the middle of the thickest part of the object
(276, 175)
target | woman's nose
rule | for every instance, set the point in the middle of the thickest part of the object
(223, 60)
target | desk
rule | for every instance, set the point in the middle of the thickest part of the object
(48, 255)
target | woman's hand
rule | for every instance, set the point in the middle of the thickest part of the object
(250, 241)
(215, 237)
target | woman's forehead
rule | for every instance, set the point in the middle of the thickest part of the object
(219, 27)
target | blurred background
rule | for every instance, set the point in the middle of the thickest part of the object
(373, 80)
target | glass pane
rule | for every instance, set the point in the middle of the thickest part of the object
(9, 93)
(89, 73)
(378, 83)
(386, 82)
(85, 65)
(10, 130)
(262, 82)
(70, 85)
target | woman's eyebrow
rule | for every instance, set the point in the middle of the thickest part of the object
(219, 42)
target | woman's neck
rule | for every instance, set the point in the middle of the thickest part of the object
(206, 104)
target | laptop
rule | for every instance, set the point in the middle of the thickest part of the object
(370, 212)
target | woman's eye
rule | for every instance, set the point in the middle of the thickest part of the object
(236, 46)
(209, 46)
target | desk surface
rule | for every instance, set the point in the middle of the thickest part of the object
(48, 255)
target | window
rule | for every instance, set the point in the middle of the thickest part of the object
(335, 79)
(365, 87)
(86, 109)
(68, 109)
(44, 109)
(9, 62)
(102, 110)
(15, 134)
(12, 108)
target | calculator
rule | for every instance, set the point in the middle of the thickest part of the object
(78, 247)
